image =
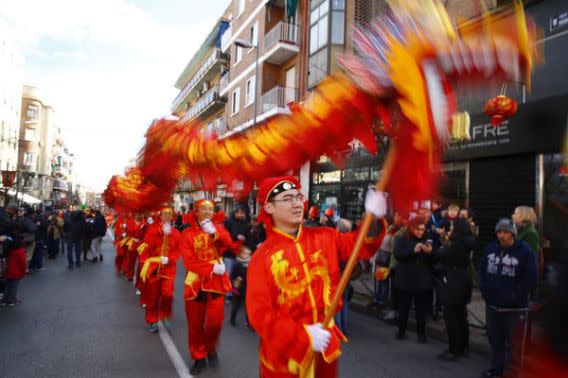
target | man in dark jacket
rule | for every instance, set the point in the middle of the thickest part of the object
(239, 228)
(72, 229)
(507, 275)
(99, 234)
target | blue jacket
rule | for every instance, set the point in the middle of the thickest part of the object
(507, 275)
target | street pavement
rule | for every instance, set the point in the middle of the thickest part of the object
(87, 323)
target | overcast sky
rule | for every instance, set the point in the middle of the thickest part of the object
(107, 67)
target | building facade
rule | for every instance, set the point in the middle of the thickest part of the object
(11, 77)
(37, 131)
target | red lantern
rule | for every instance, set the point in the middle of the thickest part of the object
(8, 178)
(499, 109)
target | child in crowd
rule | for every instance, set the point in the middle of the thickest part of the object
(239, 279)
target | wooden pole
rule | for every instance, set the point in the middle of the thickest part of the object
(364, 230)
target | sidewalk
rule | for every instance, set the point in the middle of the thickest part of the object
(362, 299)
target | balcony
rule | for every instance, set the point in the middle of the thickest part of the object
(210, 102)
(277, 99)
(226, 39)
(224, 82)
(209, 69)
(281, 43)
(60, 185)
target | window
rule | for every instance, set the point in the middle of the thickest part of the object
(318, 26)
(238, 54)
(254, 34)
(30, 135)
(32, 111)
(317, 68)
(250, 89)
(338, 21)
(29, 158)
(241, 4)
(236, 99)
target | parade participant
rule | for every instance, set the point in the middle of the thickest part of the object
(159, 270)
(134, 229)
(120, 227)
(292, 278)
(202, 246)
(142, 256)
(313, 220)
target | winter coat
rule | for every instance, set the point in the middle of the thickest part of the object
(237, 227)
(73, 226)
(507, 275)
(55, 227)
(529, 235)
(240, 270)
(414, 270)
(100, 225)
(457, 282)
(16, 264)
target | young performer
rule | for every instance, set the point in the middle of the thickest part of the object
(292, 278)
(159, 270)
(202, 246)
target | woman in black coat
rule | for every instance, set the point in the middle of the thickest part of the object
(454, 257)
(413, 280)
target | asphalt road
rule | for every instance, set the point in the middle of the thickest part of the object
(87, 323)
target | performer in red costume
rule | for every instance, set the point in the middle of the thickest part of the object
(206, 283)
(159, 270)
(133, 231)
(120, 235)
(142, 255)
(292, 278)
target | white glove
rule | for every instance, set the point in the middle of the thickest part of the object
(123, 234)
(219, 269)
(319, 337)
(150, 220)
(208, 226)
(376, 203)
(165, 260)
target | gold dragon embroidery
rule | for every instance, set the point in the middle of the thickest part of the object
(287, 281)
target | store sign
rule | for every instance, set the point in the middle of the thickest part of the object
(559, 22)
(537, 127)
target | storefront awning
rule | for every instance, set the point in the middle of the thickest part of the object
(23, 197)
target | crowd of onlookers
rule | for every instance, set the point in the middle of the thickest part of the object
(28, 235)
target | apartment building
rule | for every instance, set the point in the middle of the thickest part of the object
(37, 130)
(264, 43)
(11, 76)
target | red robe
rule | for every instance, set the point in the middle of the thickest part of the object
(290, 283)
(133, 232)
(120, 227)
(158, 278)
(204, 291)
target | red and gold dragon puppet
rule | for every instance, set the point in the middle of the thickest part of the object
(401, 75)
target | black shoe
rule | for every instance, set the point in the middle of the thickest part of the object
(422, 339)
(198, 365)
(94, 259)
(213, 359)
(400, 335)
(100, 257)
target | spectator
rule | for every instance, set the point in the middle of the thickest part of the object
(455, 291)
(72, 228)
(436, 210)
(239, 229)
(344, 225)
(327, 218)
(54, 230)
(14, 249)
(29, 228)
(414, 277)
(381, 263)
(525, 220)
(467, 214)
(99, 233)
(508, 273)
(398, 229)
(36, 262)
(444, 226)
(239, 280)
(87, 233)
(257, 234)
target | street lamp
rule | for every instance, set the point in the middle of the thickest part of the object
(248, 45)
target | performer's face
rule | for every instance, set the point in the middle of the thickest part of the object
(166, 217)
(286, 208)
(204, 212)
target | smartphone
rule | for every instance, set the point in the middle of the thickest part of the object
(429, 241)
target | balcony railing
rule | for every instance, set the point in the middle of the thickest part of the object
(283, 32)
(224, 82)
(210, 97)
(278, 97)
(195, 80)
(226, 39)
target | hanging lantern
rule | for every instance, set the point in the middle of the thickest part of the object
(499, 109)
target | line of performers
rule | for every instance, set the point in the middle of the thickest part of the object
(291, 278)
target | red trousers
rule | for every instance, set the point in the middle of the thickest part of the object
(323, 370)
(140, 285)
(204, 323)
(129, 262)
(118, 263)
(158, 294)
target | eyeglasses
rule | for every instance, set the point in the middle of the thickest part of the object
(290, 199)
